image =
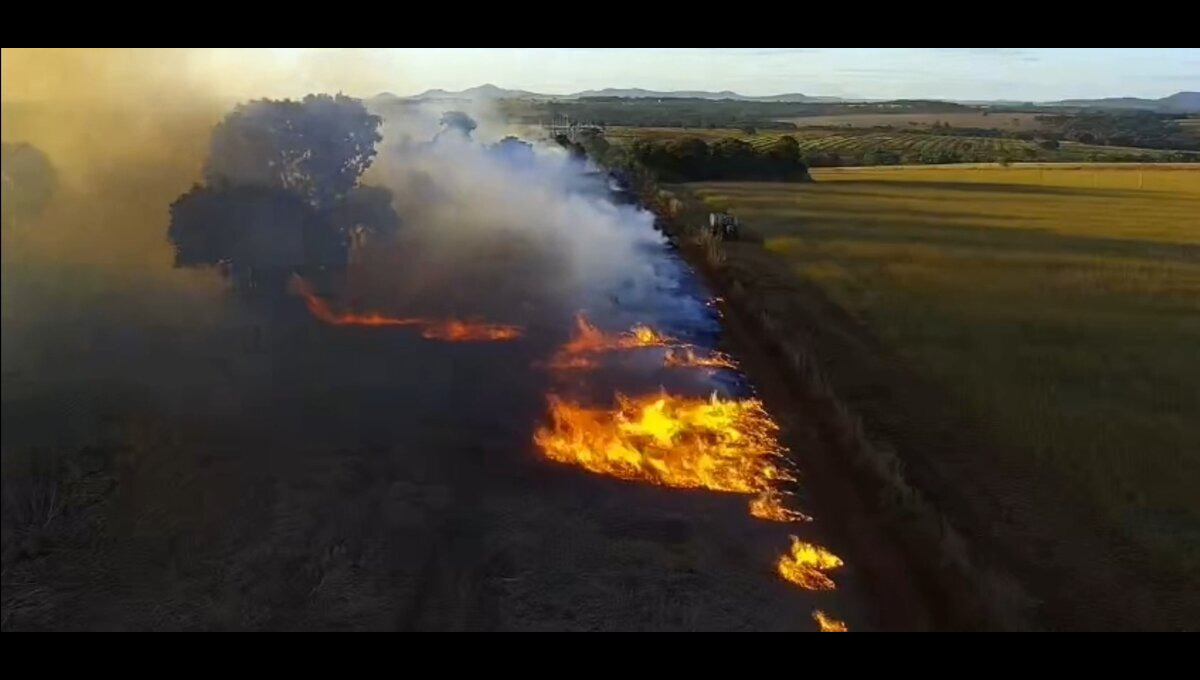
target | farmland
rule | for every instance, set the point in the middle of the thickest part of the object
(1055, 309)
(849, 147)
(977, 118)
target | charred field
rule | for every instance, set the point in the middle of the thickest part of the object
(468, 388)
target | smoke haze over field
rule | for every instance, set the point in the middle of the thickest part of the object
(92, 302)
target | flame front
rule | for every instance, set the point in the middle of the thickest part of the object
(723, 445)
(768, 504)
(687, 357)
(806, 565)
(828, 624)
(591, 340)
(720, 444)
(449, 330)
(323, 312)
(469, 331)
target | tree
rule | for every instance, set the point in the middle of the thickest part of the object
(281, 193)
(688, 157)
(316, 148)
(732, 158)
(255, 234)
(1049, 144)
(458, 122)
(513, 150)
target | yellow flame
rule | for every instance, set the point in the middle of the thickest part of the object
(723, 445)
(768, 504)
(828, 624)
(806, 565)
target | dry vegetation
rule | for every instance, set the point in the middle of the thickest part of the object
(1056, 310)
(981, 119)
(849, 146)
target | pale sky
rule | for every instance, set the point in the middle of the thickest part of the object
(946, 73)
(1034, 74)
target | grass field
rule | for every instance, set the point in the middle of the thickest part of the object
(910, 145)
(1059, 307)
(1191, 125)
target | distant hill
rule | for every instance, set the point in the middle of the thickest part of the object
(1180, 102)
(490, 91)
(486, 91)
(638, 93)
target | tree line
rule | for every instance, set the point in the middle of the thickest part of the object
(691, 159)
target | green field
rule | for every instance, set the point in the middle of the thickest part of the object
(910, 145)
(1059, 307)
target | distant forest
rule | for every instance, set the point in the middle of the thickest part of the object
(1131, 129)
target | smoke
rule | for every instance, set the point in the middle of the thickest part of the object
(503, 225)
(96, 315)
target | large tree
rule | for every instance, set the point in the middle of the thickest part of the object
(316, 148)
(281, 192)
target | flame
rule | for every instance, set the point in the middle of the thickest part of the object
(323, 312)
(450, 330)
(719, 444)
(644, 336)
(806, 565)
(723, 445)
(828, 624)
(591, 340)
(768, 504)
(687, 357)
(469, 331)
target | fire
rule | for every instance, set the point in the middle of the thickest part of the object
(591, 340)
(687, 357)
(768, 504)
(323, 312)
(723, 445)
(468, 331)
(806, 565)
(644, 336)
(828, 624)
(451, 330)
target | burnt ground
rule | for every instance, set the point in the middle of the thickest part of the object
(403, 494)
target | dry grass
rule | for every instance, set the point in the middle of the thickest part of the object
(1059, 308)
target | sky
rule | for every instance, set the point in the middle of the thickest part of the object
(1026, 74)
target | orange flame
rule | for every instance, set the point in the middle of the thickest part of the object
(451, 330)
(468, 331)
(828, 624)
(768, 504)
(723, 445)
(591, 340)
(686, 357)
(323, 312)
(806, 565)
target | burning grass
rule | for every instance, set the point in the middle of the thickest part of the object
(447, 330)
(828, 624)
(806, 564)
(686, 357)
(717, 444)
(579, 352)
